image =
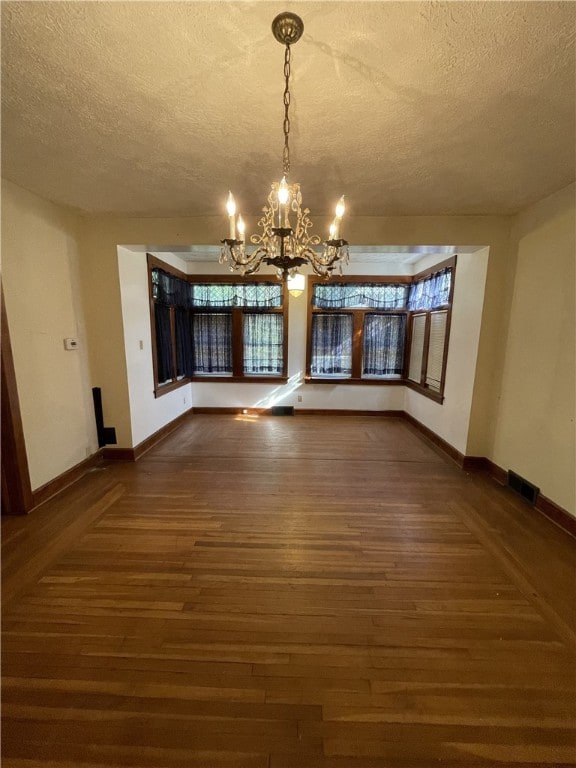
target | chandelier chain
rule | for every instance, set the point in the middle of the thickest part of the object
(285, 241)
(286, 153)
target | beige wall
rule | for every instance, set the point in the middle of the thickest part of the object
(43, 247)
(40, 275)
(535, 433)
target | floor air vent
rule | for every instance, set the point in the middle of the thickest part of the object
(523, 487)
(282, 410)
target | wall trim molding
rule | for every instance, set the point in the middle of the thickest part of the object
(118, 454)
(300, 412)
(14, 470)
(69, 477)
(556, 514)
(435, 439)
(133, 454)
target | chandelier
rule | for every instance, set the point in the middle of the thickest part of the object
(285, 241)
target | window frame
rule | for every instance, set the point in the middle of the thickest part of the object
(358, 326)
(236, 313)
(358, 315)
(422, 387)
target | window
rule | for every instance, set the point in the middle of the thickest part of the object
(430, 300)
(366, 341)
(332, 345)
(382, 330)
(215, 328)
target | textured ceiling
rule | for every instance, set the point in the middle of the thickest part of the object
(158, 108)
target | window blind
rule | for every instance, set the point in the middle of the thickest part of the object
(438, 321)
(417, 348)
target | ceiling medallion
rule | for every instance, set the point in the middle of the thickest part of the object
(285, 241)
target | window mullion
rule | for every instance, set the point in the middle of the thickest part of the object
(237, 343)
(174, 345)
(425, 350)
(357, 336)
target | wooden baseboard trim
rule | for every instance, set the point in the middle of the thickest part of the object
(70, 476)
(133, 454)
(339, 412)
(233, 411)
(556, 514)
(475, 464)
(482, 464)
(435, 439)
(545, 506)
(150, 442)
(301, 412)
(118, 454)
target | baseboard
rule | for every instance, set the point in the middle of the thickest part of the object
(435, 439)
(347, 412)
(300, 412)
(556, 514)
(482, 464)
(70, 476)
(133, 454)
(545, 506)
(118, 454)
(235, 411)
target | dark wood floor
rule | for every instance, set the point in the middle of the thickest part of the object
(279, 592)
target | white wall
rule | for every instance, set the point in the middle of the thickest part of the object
(536, 434)
(148, 413)
(40, 275)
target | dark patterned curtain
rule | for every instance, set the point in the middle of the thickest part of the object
(171, 290)
(432, 292)
(184, 356)
(238, 295)
(383, 345)
(263, 343)
(163, 342)
(212, 343)
(358, 295)
(331, 345)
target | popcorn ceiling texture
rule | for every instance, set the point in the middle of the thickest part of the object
(158, 108)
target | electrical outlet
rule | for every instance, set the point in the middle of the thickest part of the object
(299, 398)
(70, 344)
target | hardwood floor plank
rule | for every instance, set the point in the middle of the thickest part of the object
(309, 592)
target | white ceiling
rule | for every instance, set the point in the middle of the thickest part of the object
(407, 108)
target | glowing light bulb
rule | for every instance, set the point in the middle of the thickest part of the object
(283, 192)
(231, 208)
(241, 229)
(340, 208)
(296, 284)
(231, 204)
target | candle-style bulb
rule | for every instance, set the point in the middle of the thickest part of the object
(340, 207)
(283, 192)
(241, 229)
(332, 231)
(231, 204)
